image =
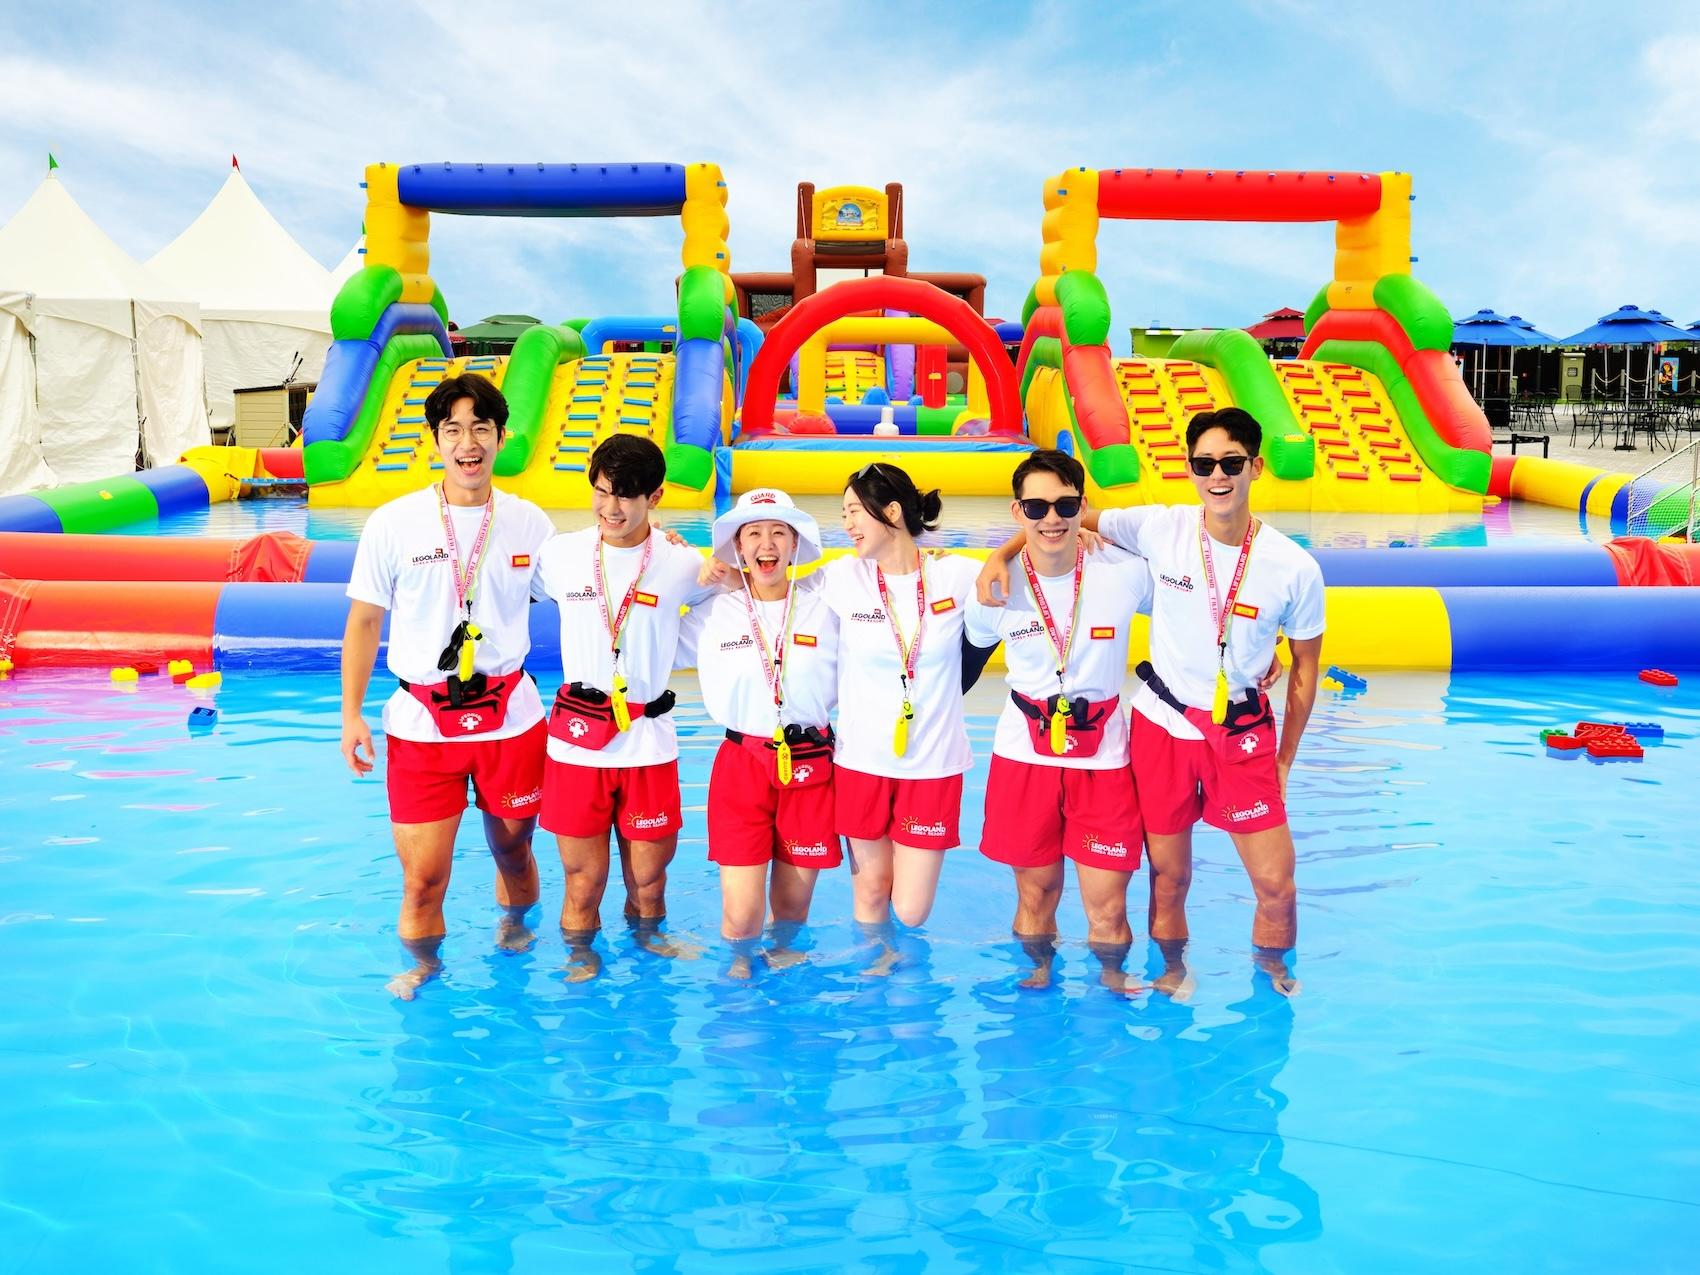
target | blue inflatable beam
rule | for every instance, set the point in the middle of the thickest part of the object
(1520, 566)
(544, 190)
(698, 381)
(330, 562)
(1573, 630)
(176, 489)
(26, 513)
(627, 327)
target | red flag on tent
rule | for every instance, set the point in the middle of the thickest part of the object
(233, 163)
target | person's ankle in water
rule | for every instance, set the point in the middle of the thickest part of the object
(744, 953)
(584, 962)
(1273, 961)
(1112, 968)
(1175, 981)
(1041, 949)
(647, 931)
(427, 964)
(513, 932)
(781, 954)
(882, 935)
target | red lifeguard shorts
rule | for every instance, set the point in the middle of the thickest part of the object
(1037, 814)
(922, 813)
(426, 781)
(1178, 780)
(640, 802)
(750, 822)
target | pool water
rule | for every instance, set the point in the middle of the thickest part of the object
(969, 521)
(1492, 1065)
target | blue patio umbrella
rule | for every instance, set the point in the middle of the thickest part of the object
(1485, 328)
(1629, 326)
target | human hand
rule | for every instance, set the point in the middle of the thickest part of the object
(713, 571)
(1282, 766)
(1275, 672)
(1091, 541)
(992, 585)
(357, 736)
(673, 537)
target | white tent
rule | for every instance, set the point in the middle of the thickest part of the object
(354, 259)
(265, 303)
(116, 351)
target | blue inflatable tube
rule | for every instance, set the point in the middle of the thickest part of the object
(699, 373)
(330, 562)
(627, 327)
(1501, 566)
(176, 489)
(746, 346)
(26, 513)
(300, 626)
(349, 365)
(544, 190)
(1573, 630)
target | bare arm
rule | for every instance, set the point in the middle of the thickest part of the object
(1301, 698)
(359, 653)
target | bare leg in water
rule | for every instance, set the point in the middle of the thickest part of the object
(1037, 893)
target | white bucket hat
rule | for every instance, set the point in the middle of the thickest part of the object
(765, 504)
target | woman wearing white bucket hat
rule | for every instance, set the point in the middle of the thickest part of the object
(767, 659)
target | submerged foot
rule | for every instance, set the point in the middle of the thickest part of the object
(783, 958)
(1281, 978)
(405, 986)
(513, 934)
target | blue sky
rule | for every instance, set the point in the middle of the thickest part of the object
(1553, 145)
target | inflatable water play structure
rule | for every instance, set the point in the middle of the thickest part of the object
(365, 428)
(1372, 415)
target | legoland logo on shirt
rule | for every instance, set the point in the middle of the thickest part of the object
(586, 593)
(738, 643)
(1025, 631)
(876, 616)
(438, 554)
(1184, 584)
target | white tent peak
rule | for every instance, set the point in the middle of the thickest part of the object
(353, 261)
(238, 261)
(52, 248)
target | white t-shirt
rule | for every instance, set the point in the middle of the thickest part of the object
(567, 573)
(870, 694)
(1282, 592)
(717, 639)
(403, 564)
(1115, 586)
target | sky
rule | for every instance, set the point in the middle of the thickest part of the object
(1552, 145)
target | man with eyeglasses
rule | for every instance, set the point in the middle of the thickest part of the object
(453, 566)
(1059, 786)
(1204, 737)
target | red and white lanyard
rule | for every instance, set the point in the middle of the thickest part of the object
(616, 623)
(1222, 609)
(773, 671)
(908, 658)
(465, 580)
(1061, 644)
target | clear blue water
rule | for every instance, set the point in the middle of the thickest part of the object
(976, 521)
(1492, 1065)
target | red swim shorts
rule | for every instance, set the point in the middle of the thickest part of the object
(1036, 814)
(751, 822)
(641, 802)
(922, 813)
(426, 781)
(1179, 780)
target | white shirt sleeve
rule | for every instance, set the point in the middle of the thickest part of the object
(1306, 613)
(1124, 527)
(691, 625)
(372, 578)
(981, 624)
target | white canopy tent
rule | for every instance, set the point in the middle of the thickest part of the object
(115, 353)
(353, 260)
(265, 303)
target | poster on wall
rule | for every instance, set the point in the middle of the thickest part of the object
(1667, 375)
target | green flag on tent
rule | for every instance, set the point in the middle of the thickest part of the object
(51, 162)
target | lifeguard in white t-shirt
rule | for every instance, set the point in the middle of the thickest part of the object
(452, 565)
(902, 743)
(766, 655)
(612, 750)
(1059, 786)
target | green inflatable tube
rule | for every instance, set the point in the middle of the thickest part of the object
(86, 508)
(362, 300)
(1416, 309)
(1317, 308)
(702, 305)
(1288, 449)
(526, 385)
(333, 460)
(1085, 308)
(1463, 468)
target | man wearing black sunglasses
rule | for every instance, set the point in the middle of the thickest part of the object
(1059, 786)
(1204, 740)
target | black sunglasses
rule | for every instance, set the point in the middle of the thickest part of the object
(1204, 466)
(1034, 510)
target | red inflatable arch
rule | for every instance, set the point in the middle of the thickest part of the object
(883, 292)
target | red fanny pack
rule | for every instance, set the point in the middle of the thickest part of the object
(1246, 734)
(475, 706)
(583, 716)
(1084, 730)
(811, 755)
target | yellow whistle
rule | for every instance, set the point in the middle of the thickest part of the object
(622, 710)
(1059, 732)
(468, 653)
(1219, 701)
(900, 736)
(784, 761)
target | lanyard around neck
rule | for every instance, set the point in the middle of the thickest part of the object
(1061, 644)
(465, 580)
(616, 621)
